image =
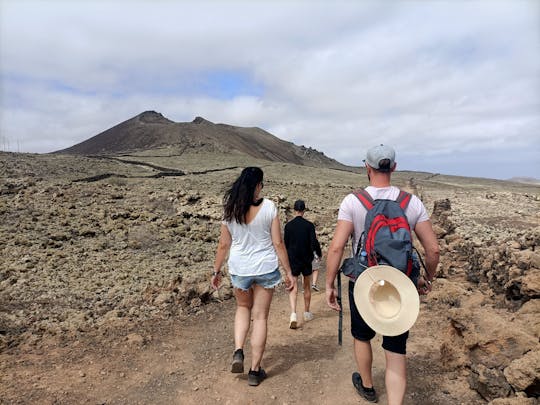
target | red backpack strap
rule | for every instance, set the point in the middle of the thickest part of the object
(364, 198)
(403, 199)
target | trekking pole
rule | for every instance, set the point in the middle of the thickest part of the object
(421, 262)
(340, 319)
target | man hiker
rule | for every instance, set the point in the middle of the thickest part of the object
(380, 163)
(301, 243)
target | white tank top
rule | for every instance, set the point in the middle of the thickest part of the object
(252, 251)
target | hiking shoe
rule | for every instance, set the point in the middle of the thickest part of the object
(308, 316)
(238, 361)
(369, 394)
(315, 288)
(293, 322)
(256, 377)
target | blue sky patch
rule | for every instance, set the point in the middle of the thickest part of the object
(228, 85)
(217, 84)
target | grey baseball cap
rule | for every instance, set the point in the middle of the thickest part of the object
(378, 153)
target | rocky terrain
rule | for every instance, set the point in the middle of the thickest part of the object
(118, 248)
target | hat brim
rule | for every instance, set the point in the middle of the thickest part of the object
(387, 300)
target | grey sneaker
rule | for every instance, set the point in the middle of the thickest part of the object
(238, 361)
(308, 316)
(315, 288)
(256, 377)
(369, 394)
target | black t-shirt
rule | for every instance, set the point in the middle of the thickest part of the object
(301, 242)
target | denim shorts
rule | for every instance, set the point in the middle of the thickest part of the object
(268, 280)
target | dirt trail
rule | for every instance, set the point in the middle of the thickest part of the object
(186, 361)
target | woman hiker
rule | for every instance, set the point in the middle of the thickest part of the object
(251, 237)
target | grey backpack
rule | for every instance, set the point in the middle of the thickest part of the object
(386, 238)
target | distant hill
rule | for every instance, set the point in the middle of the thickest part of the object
(526, 180)
(151, 130)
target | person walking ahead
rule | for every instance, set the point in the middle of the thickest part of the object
(380, 163)
(301, 243)
(251, 235)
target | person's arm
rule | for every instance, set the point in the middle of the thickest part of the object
(224, 245)
(428, 239)
(333, 260)
(281, 251)
(315, 245)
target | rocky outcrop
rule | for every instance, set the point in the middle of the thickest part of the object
(511, 268)
(493, 348)
(489, 382)
(498, 350)
(514, 401)
(524, 373)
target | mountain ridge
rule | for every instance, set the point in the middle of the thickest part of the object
(151, 130)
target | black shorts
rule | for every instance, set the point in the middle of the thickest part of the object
(360, 329)
(299, 269)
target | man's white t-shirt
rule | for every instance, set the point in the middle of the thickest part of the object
(352, 210)
(252, 251)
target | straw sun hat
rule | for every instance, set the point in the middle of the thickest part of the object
(387, 300)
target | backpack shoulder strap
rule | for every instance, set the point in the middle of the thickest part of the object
(403, 199)
(364, 198)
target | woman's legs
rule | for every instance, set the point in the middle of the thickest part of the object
(262, 297)
(242, 318)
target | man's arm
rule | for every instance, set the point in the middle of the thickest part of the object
(428, 239)
(333, 260)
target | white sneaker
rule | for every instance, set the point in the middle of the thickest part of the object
(293, 323)
(308, 316)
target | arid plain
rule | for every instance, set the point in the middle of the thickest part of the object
(105, 297)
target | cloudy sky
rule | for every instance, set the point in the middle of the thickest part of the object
(454, 86)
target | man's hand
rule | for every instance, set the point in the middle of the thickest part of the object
(424, 286)
(331, 298)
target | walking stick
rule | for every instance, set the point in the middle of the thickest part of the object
(340, 321)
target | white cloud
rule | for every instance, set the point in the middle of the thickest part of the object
(451, 78)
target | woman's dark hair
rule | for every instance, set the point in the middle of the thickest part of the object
(239, 197)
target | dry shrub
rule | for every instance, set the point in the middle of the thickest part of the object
(142, 237)
(163, 204)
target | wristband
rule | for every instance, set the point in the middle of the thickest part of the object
(215, 273)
